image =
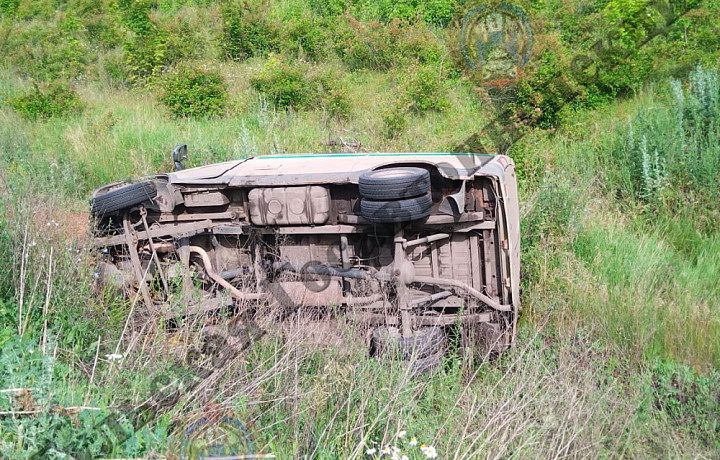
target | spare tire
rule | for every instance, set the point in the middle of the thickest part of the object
(396, 211)
(123, 197)
(394, 183)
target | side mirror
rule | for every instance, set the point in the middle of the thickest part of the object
(179, 155)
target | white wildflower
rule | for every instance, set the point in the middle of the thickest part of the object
(114, 357)
(371, 451)
(413, 441)
(385, 450)
(401, 433)
(429, 451)
(404, 457)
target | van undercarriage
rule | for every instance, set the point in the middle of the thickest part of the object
(403, 264)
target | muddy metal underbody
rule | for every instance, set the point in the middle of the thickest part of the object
(207, 242)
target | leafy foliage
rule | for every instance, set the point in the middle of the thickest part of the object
(306, 38)
(380, 46)
(284, 84)
(395, 119)
(424, 90)
(297, 85)
(690, 399)
(193, 92)
(437, 12)
(247, 31)
(48, 50)
(47, 101)
(152, 47)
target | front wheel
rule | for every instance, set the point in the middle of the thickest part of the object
(123, 197)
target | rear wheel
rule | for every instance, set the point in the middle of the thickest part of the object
(425, 342)
(423, 350)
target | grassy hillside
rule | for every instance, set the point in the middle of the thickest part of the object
(619, 354)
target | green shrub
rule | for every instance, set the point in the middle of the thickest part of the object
(437, 12)
(674, 146)
(102, 29)
(46, 101)
(305, 38)
(8, 8)
(332, 95)
(193, 92)
(285, 84)
(247, 31)
(424, 90)
(379, 46)
(152, 47)
(294, 84)
(328, 8)
(395, 119)
(47, 50)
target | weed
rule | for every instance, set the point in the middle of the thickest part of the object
(692, 401)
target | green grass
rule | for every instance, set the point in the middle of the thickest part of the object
(619, 349)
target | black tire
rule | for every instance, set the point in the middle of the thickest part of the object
(396, 211)
(123, 197)
(425, 342)
(426, 365)
(394, 183)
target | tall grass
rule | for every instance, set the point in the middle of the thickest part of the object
(631, 215)
(620, 340)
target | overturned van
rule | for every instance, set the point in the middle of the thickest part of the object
(411, 244)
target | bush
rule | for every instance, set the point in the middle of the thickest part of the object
(193, 92)
(47, 50)
(424, 90)
(305, 38)
(46, 101)
(332, 95)
(300, 86)
(153, 47)
(437, 12)
(8, 8)
(328, 8)
(378, 46)
(247, 32)
(394, 119)
(285, 85)
(675, 146)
